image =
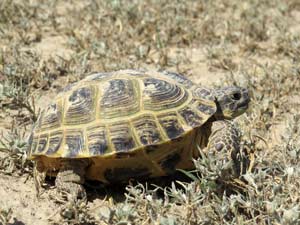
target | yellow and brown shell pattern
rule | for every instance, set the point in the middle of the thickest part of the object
(128, 123)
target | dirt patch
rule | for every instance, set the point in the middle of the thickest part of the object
(18, 193)
(53, 46)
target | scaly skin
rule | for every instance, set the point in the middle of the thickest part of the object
(70, 178)
(224, 143)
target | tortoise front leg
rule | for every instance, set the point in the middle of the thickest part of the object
(224, 144)
(70, 178)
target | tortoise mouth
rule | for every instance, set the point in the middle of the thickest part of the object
(245, 100)
(244, 105)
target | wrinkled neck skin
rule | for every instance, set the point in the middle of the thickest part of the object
(205, 131)
(219, 113)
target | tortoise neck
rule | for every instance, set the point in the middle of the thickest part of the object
(201, 138)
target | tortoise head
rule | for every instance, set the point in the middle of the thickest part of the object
(231, 101)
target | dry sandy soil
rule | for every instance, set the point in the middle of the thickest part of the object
(253, 44)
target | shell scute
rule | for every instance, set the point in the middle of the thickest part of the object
(160, 95)
(43, 141)
(147, 130)
(55, 142)
(80, 106)
(203, 93)
(171, 125)
(191, 117)
(122, 137)
(74, 144)
(206, 109)
(50, 118)
(119, 98)
(97, 140)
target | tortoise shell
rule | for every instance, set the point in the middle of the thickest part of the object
(128, 123)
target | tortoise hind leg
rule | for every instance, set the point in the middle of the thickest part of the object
(70, 178)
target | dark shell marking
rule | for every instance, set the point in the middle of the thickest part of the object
(97, 140)
(51, 117)
(55, 142)
(191, 117)
(203, 93)
(121, 137)
(119, 99)
(80, 107)
(124, 174)
(43, 140)
(159, 94)
(74, 143)
(206, 109)
(147, 130)
(171, 125)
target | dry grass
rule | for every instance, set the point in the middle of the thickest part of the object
(254, 43)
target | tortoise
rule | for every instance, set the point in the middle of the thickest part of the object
(132, 124)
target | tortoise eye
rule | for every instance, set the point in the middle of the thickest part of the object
(236, 96)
